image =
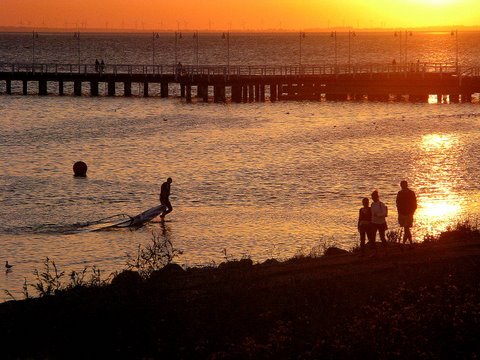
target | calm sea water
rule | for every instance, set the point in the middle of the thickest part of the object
(259, 180)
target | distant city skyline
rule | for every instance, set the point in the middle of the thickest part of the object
(247, 15)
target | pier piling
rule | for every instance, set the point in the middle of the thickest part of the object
(273, 92)
(93, 88)
(205, 93)
(111, 88)
(42, 87)
(257, 92)
(188, 93)
(219, 93)
(202, 92)
(77, 88)
(164, 89)
(127, 88)
(250, 93)
(244, 94)
(236, 93)
(145, 89)
(454, 98)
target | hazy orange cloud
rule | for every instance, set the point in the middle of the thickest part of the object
(237, 14)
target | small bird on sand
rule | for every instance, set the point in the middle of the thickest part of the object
(8, 266)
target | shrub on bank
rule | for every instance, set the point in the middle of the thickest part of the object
(296, 309)
(461, 230)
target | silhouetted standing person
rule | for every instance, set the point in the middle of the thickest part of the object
(365, 224)
(97, 64)
(179, 69)
(379, 213)
(102, 66)
(406, 206)
(164, 197)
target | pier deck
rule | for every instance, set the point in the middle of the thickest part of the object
(377, 82)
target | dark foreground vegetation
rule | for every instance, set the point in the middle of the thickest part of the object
(399, 302)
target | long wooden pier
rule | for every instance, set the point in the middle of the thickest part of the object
(378, 82)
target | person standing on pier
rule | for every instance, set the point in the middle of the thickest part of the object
(164, 197)
(97, 64)
(406, 206)
(179, 70)
(379, 213)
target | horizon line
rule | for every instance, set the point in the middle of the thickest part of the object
(269, 30)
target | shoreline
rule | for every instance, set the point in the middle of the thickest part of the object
(399, 301)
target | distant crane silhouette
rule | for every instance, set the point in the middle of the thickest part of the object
(8, 266)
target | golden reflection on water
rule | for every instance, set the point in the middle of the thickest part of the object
(431, 142)
(440, 209)
(439, 203)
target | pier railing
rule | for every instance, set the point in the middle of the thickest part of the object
(235, 70)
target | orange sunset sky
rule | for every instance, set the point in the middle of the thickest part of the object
(237, 14)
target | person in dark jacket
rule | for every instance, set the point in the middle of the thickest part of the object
(164, 197)
(406, 206)
(365, 224)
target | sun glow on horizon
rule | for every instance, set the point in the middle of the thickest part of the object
(241, 15)
(439, 2)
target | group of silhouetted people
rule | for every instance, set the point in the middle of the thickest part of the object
(372, 219)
